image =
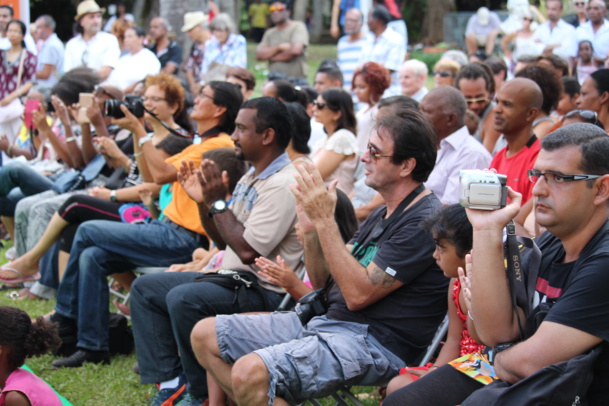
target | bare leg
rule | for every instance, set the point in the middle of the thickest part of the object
(9, 224)
(27, 264)
(471, 43)
(490, 42)
(205, 346)
(251, 382)
(62, 262)
(217, 397)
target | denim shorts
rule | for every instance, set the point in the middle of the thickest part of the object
(307, 362)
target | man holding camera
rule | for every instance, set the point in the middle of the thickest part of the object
(571, 188)
(386, 301)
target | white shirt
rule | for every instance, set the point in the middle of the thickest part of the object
(132, 68)
(563, 34)
(101, 50)
(389, 50)
(457, 151)
(51, 54)
(418, 96)
(599, 40)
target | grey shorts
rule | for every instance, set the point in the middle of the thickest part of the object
(311, 362)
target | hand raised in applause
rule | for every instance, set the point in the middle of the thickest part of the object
(317, 202)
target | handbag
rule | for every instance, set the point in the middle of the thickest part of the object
(14, 109)
(564, 383)
(239, 282)
(69, 181)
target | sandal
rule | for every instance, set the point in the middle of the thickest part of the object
(20, 277)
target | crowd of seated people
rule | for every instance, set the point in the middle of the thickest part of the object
(343, 190)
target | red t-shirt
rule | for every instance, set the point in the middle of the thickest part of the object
(516, 167)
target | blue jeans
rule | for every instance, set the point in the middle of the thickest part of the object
(101, 248)
(18, 180)
(164, 309)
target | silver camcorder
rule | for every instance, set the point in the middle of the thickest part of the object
(482, 190)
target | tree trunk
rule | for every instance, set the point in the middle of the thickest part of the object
(299, 11)
(317, 21)
(432, 30)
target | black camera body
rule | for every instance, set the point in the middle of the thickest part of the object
(311, 305)
(135, 104)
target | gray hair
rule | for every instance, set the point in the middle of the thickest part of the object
(222, 22)
(43, 90)
(48, 21)
(417, 67)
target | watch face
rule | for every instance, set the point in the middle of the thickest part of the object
(219, 205)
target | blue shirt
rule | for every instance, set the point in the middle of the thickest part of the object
(51, 54)
(232, 53)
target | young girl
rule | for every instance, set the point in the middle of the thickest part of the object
(585, 63)
(452, 233)
(20, 339)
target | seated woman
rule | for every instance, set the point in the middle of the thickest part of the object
(452, 233)
(223, 50)
(163, 98)
(444, 72)
(336, 156)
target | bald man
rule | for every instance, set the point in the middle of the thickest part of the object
(445, 108)
(168, 51)
(596, 29)
(518, 102)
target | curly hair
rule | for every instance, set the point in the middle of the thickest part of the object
(376, 76)
(549, 83)
(24, 339)
(174, 91)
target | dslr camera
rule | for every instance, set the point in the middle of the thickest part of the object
(482, 190)
(135, 104)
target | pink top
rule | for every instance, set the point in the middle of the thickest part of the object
(34, 388)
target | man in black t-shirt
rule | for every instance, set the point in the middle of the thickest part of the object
(166, 50)
(388, 294)
(571, 191)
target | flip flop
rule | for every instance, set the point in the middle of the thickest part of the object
(20, 277)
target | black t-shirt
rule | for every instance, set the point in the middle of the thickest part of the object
(578, 293)
(404, 321)
(173, 54)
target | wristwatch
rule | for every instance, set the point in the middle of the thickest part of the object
(217, 207)
(113, 195)
(144, 140)
(494, 351)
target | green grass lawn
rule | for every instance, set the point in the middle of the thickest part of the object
(116, 384)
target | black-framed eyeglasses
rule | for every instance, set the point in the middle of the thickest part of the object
(375, 155)
(552, 177)
(443, 74)
(319, 105)
(589, 115)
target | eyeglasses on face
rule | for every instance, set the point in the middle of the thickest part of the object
(553, 178)
(319, 105)
(579, 4)
(529, 19)
(374, 153)
(153, 99)
(476, 100)
(443, 74)
(276, 8)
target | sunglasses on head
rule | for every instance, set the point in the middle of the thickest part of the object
(276, 8)
(588, 115)
(443, 74)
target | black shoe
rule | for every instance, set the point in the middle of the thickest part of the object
(66, 327)
(80, 357)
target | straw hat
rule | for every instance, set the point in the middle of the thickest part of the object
(192, 19)
(88, 7)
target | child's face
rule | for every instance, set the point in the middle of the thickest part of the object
(585, 51)
(566, 103)
(447, 259)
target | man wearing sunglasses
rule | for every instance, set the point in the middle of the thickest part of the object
(285, 45)
(571, 189)
(386, 299)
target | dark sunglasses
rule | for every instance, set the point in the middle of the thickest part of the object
(588, 115)
(319, 105)
(443, 74)
(579, 4)
(527, 19)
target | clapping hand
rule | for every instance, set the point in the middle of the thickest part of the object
(317, 202)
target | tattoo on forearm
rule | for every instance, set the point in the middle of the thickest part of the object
(380, 277)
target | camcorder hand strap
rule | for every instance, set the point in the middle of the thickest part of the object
(522, 293)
